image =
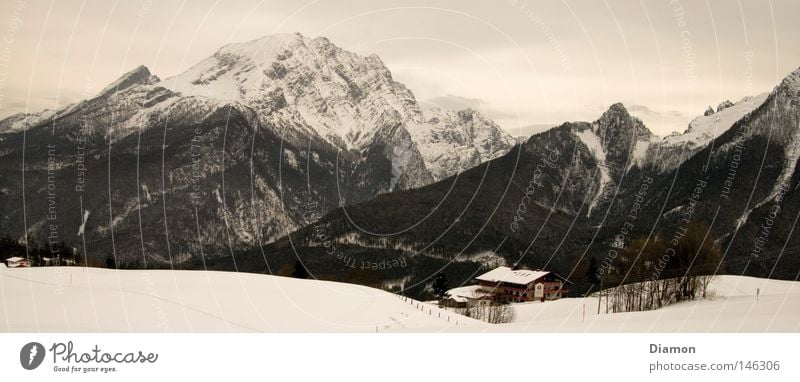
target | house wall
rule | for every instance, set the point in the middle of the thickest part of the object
(18, 264)
(507, 292)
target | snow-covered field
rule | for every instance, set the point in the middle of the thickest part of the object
(74, 299)
(733, 308)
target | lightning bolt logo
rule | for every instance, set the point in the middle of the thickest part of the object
(34, 351)
(31, 355)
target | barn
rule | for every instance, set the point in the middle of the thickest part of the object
(466, 297)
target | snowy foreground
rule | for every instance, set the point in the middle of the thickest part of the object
(733, 308)
(75, 299)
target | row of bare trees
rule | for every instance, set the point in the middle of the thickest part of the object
(652, 273)
(494, 313)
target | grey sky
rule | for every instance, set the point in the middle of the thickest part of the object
(528, 64)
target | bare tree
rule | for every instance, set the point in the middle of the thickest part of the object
(493, 313)
(500, 314)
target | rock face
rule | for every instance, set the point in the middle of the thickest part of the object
(350, 102)
(724, 105)
(452, 141)
(246, 146)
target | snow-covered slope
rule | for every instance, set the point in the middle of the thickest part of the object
(592, 142)
(674, 149)
(75, 299)
(22, 121)
(705, 128)
(733, 308)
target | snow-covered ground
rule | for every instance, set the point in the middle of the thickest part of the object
(733, 308)
(75, 299)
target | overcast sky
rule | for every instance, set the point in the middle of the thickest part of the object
(527, 64)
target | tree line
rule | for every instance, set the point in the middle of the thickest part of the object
(653, 272)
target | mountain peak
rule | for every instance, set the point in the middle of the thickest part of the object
(264, 49)
(469, 113)
(791, 83)
(138, 76)
(617, 108)
(617, 115)
(616, 127)
(347, 99)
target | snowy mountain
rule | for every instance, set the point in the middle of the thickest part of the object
(259, 139)
(704, 129)
(21, 121)
(325, 92)
(617, 141)
(342, 97)
(776, 123)
(350, 101)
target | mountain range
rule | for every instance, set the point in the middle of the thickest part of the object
(288, 147)
(578, 191)
(226, 153)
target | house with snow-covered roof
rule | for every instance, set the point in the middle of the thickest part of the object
(466, 296)
(519, 285)
(17, 262)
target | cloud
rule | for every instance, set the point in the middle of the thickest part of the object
(454, 102)
(650, 112)
(660, 122)
(528, 130)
